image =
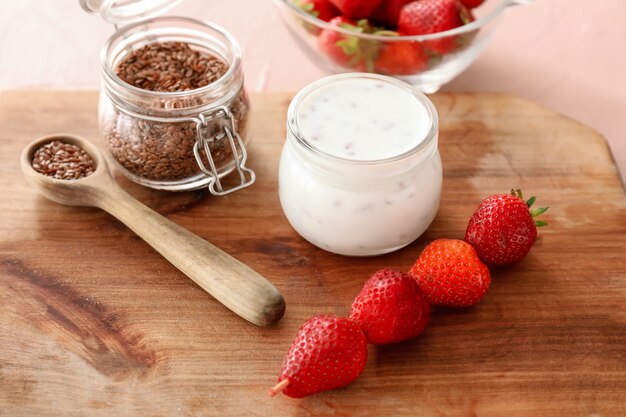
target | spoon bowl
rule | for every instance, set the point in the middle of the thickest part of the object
(234, 284)
(78, 192)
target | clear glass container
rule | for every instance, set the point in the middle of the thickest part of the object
(180, 140)
(359, 207)
(429, 61)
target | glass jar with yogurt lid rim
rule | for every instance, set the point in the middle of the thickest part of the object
(172, 140)
(374, 186)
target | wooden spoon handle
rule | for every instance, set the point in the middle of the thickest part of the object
(234, 284)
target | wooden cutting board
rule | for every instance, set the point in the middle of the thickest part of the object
(95, 323)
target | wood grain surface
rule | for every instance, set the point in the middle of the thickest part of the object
(93, 322)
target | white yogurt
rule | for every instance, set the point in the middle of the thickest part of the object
(362, 119)
(360, 173)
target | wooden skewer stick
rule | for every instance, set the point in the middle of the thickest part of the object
(278, 387)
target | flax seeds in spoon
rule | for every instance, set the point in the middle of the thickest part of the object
(63, 161)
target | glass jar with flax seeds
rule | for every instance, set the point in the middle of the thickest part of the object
(173, 110)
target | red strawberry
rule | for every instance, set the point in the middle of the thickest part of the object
(424, 17)
(357, 9)
(450, 273)
(389, 12)
(401, 58)
(470, 4)
(346, 50)
(390, 308)
(503, 228)
(322, 9)
(328, 352)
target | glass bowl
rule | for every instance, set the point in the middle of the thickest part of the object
(425, 61)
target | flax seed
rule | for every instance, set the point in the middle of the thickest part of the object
(63, 161)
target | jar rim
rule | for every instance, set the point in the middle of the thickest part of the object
(294, 129)
(233, 67)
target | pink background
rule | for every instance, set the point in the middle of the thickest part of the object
(569, 55)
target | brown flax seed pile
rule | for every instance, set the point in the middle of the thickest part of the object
(170, 66)
(62, 161)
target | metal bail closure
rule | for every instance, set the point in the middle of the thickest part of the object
(240, 156)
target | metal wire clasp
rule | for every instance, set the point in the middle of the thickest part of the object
(246, 175)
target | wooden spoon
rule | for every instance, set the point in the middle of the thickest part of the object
(234, 284)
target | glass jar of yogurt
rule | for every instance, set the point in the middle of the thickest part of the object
(360, 173)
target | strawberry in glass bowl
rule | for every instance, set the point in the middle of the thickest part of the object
(423, 42)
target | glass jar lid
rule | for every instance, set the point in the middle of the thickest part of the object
(127, 11)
